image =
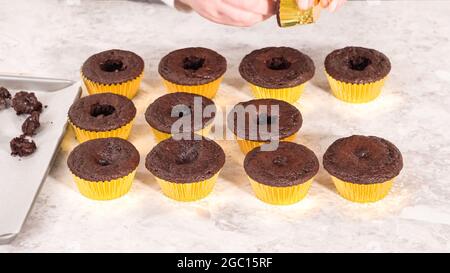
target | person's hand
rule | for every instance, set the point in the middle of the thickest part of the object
(332, 5)
(242, 13)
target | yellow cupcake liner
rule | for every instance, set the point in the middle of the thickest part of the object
(280, 195)
(289, 14)
(208, 90)
(291, 94)
(355, 93)
(105, 190)
(362, 193)
(128, 89)
(188, 191)
(160, 136)
(248, 145)
(85, 135)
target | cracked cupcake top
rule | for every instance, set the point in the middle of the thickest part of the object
(259, 114)
(290, 164)
(113, 66)
(185, 161)
(103, 159)
(277, 67)
(363, 160)
(102, 112)
(357, 65)
(192, 66)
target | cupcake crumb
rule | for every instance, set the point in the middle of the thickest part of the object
(31, 124)
(21, 146)
(26, 103)
(5, 98)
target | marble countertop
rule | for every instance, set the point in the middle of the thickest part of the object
(53, 38)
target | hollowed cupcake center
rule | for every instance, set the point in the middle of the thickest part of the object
(362, 153)
(359, 63)
(280, 160)
(184, 112)
(104, 162)
(264, 119)
(193, 63)
(112, 66)
(102, 110)
(278, 63)
(187, 155)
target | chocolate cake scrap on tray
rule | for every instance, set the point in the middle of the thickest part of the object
(26, 103)
(5, 98)
(31, 124)
(23, 103)
(21, 146)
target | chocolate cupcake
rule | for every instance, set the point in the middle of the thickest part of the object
(363, 168)
(170, 108)
(195, 70)
(186, 170)
(282, 176)
(115, 71)
(101, 116)
(255, 126)
(357, 74)
(104, 169)
(277, 72)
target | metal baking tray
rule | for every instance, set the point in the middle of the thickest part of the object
(21, 178)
